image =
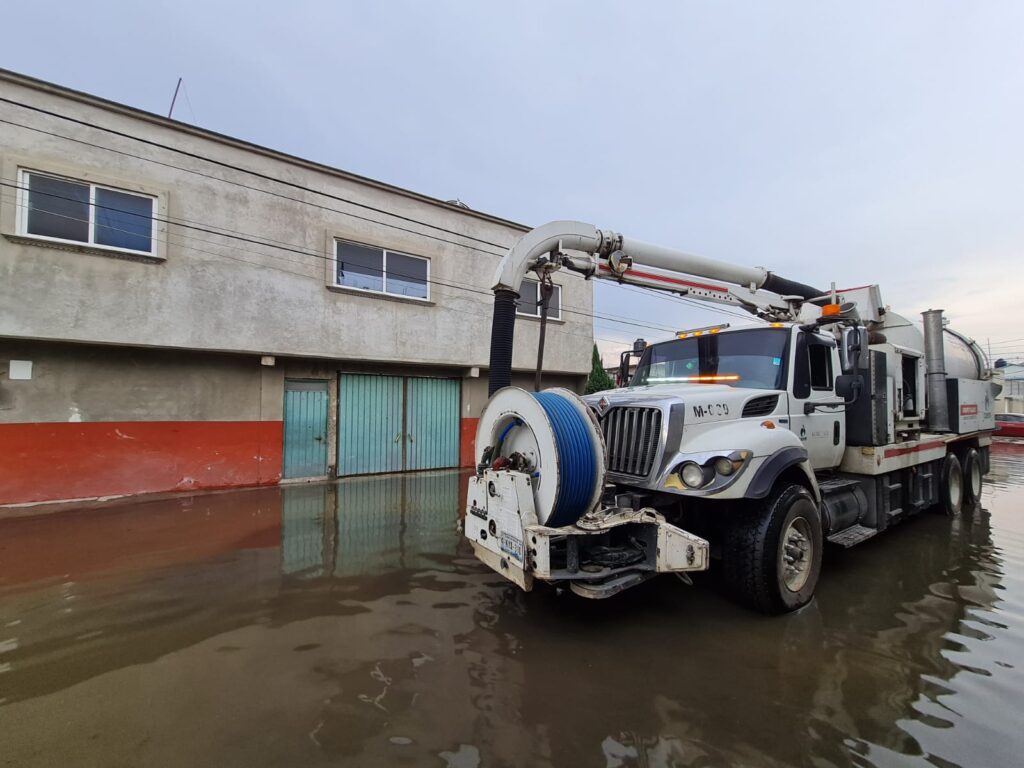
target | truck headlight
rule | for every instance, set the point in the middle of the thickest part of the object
(725, 466)
(706, 472)
(692, 475)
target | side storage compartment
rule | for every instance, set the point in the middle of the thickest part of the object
(867, 418)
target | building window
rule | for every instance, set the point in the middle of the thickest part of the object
(367, 268)
(90, 214)
(529, 301)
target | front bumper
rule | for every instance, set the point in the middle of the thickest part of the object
(605, 552)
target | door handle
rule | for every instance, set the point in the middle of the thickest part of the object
(398, 436)
(318, 438)
(410, 439)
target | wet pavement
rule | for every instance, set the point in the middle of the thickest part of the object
(348, 624)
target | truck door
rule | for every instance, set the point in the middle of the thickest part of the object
(816, 414)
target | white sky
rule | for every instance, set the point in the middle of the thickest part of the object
(849, 142)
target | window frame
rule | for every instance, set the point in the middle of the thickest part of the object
(384, 272)
(828, 368)
(555, 303)
(23, 198)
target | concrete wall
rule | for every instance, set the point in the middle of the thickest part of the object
(215, 293)
(146, 370)
(107, 421)
(97, 421)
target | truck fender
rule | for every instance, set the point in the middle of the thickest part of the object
(777, 463)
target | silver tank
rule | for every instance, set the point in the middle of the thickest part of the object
(964, 358)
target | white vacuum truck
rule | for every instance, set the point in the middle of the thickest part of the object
(740, 447)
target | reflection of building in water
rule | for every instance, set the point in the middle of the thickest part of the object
(369, 525)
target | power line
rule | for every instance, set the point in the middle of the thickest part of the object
(194, 249)
(291, 184)
(636, 322)
(629, 321)
(240, 169)
(263, 191)
(594, 316)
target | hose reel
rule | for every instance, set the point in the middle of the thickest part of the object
(554, 437)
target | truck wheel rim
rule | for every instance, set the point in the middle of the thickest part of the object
(796, 554)
(975, 480)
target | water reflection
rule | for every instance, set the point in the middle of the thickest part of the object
(347, 623)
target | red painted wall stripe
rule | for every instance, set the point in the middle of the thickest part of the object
(61, 460)
(467, 442)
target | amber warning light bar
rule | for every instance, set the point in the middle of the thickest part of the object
(708, 379)
(702, 331)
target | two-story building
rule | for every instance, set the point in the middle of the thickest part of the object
(181, 310)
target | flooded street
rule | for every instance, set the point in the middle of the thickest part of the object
(348, 624)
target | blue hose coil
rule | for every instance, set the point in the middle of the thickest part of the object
(577, 459)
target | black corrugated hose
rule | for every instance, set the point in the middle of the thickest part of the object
(503, 327)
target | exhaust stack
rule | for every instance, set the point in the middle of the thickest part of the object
(935, 367)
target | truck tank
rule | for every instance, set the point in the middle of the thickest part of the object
(964, 358)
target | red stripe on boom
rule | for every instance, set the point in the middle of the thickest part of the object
(666, 279)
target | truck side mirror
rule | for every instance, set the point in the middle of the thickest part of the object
(623, 369)
(848, 386)
(851, 348)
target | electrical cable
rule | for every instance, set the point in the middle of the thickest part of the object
(478, 315)
(240, 169)
(625, 321)
(263, 191)
(253, 241)
(635, 322)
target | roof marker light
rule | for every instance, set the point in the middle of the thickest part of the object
(705, 379)
(702, 331)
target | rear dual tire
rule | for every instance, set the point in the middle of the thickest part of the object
(951, 489)
(973, 476)
(772, 556)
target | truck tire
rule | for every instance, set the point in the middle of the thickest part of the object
(973, 477)
(951, 485)
(772, 554)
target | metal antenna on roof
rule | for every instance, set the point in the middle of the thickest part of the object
(175, 98)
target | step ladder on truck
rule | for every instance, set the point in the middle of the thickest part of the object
(741, 447)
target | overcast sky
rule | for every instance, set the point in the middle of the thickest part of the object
(852, 142)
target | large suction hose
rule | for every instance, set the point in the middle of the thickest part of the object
(503, 328)
(577, 459)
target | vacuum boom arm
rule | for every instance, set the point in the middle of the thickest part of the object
(609, 255)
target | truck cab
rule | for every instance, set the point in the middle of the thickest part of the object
(732, 404)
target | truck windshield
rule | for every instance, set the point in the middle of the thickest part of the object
(752, 358)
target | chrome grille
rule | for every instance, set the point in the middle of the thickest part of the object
(631, 438)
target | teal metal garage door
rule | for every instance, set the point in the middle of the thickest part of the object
(394, 423)
(370, 424)
(305, 428)
(432, 423)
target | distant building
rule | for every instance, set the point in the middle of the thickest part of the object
(180, 309)
(1011, 399)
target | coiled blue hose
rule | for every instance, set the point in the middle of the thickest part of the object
(576, 456)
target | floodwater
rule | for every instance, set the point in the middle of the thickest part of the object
(347, 624)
